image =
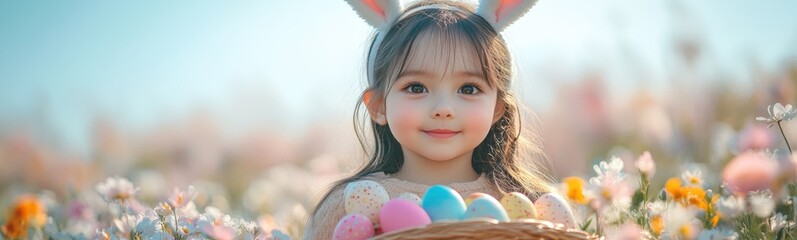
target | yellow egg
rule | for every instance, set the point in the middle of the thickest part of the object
(518, 206)
(474, 196)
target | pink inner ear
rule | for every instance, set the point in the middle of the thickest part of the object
(372, 4)
(506, 6)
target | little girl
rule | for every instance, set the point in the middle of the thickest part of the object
(440, 106)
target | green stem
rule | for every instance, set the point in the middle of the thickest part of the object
(784, 137)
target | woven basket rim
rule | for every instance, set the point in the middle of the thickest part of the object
(485, 228)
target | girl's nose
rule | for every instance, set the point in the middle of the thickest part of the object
(442, 110)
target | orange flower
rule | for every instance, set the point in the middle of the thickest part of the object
(694, 196)
(656, 224)
(673, 187)
(574, 189)
(27, 211)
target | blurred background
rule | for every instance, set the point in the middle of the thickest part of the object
(252, 101)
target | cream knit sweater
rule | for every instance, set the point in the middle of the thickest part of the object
(332, 210)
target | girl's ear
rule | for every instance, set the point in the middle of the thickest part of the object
(502, 13)
(378, 13)
(500, 108)
(375, 107)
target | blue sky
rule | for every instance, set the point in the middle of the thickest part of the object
(285, 64)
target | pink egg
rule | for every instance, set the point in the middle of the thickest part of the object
(353, 227)
(398, 214)
(553, 208)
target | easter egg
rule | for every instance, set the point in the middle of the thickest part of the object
(443, 203)
(554, 208)
(411, 197)
(366, 198)
(353, 227)
(398, 214)
(486, 207)
(518, 206)
(473, 196)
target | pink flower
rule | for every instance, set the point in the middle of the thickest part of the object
(750, 171)
(755, 137)
(646, 165)
(628, 231)
(219, 232)
(179, 199)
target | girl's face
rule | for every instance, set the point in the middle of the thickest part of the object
(441, 107)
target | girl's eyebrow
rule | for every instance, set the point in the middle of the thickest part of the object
(423, 73)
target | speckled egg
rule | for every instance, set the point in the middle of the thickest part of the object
(353, 227)
(365, 197)
(486, 207)
(473, 196)
(411, 197)
(443, 203)
(554, 208)
(518, 206)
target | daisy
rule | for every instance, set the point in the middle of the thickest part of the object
(693, 178)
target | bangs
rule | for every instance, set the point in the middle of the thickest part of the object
(443, 51)
(442, 42)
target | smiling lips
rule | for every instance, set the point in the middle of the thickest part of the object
(441, 133)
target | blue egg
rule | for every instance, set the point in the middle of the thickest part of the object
(487, 207)
(443, 203)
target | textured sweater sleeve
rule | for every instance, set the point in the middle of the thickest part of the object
(322, 224)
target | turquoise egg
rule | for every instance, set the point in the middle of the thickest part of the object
(486, 207)
(443, 203)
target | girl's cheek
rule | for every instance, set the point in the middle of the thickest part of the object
(403, 114)
(479, 117)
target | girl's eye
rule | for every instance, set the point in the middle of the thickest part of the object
(469, 89)
(415, 88)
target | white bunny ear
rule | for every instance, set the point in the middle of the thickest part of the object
(502, 13)
(378, 13)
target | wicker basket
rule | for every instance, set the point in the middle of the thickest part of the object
(490, 229)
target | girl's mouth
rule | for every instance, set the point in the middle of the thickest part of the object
(441, 133)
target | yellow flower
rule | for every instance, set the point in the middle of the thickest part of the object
(656, 224)
(27, 211)
(574, 189)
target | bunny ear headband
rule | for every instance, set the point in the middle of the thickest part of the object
(382, 13)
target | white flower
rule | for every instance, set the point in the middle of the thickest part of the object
(609, 189)
(646, 165)
(680, 223)
(718, 234)
(762, 203)
(778, 113)
(127, 222)
(730, 206)
(693, 178)
(656, 208)
(779, 221)
(613, 167)
(179, 199)
(116, 189)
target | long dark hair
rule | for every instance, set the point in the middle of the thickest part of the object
(499, 155)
